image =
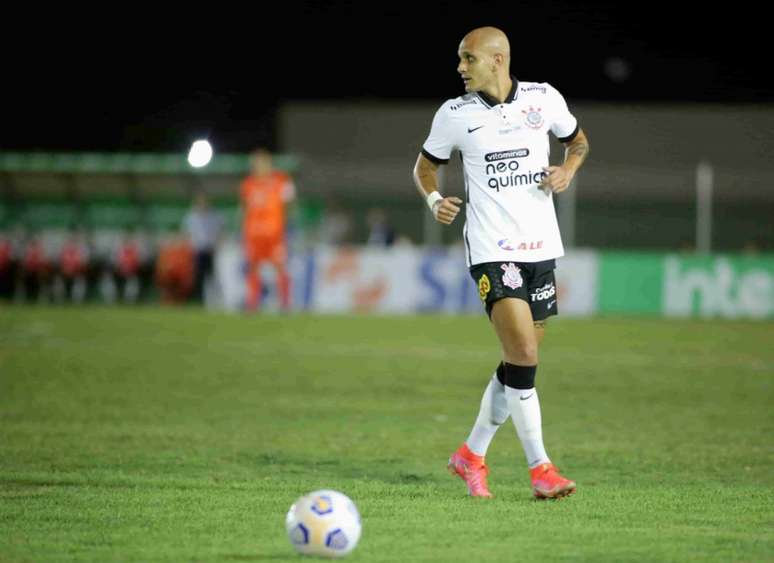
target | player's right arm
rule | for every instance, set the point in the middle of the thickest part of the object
(436, 150)
(444, 209)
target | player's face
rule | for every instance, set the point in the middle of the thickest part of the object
(261, 163)
(473, 67)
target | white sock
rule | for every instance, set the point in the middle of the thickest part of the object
(524, 407)
(493, 412)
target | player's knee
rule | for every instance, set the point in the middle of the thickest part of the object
(530, 353)
(523, 353)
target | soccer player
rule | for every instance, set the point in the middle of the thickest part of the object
(500, 128)
(265, 194)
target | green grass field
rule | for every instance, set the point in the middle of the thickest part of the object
(181, 435)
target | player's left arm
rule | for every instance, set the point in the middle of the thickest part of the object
(559, 177)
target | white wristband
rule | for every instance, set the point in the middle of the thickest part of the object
(433, 198)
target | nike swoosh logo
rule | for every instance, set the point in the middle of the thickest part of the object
(550, 303)
(527, 397)
(474, 129)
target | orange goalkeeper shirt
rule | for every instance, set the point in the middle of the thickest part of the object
(263, 201)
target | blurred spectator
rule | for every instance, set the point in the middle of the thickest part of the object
(72, 268)
(36, 269)
(380, 231)
(336, 227)
(265, 195)
(148, 253)
(126, 265)
(94, 267)
(8, 267)
(204, 227)
(175, 271)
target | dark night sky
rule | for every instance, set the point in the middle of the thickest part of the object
(155, 81)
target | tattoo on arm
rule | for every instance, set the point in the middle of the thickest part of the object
(425, 173)
(579, 149)
(425, 176)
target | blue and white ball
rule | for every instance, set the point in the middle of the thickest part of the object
(325, 523)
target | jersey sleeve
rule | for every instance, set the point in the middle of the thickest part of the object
(440, 143)
(564, 124)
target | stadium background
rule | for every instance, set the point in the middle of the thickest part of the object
(630, 224)
(348, 103)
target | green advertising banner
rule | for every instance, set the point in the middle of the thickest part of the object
(630, 283)
(719, 286)
(675, 285)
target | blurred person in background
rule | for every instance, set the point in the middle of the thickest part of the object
(35, 269)
(73, 266)
(264, 197)
(204, 227)
(148, 247)
(380, 231)
(8, 267)
(500, 128)
(175, 270)
(95, 265)
(126, 263)
(336, 226)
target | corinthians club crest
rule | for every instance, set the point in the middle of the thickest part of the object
(512, 277)
(533, 117)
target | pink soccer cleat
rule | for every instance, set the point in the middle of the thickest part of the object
(548, 483)
(471, 469)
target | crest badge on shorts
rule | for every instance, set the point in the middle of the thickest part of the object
(512, 276)
(483, 287)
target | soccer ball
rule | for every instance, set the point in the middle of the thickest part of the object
(324, 523)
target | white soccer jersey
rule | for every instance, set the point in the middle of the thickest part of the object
(504, 148)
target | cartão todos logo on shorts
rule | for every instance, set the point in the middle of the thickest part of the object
(543, 293)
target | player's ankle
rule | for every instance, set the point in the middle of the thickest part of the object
(468, 454)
